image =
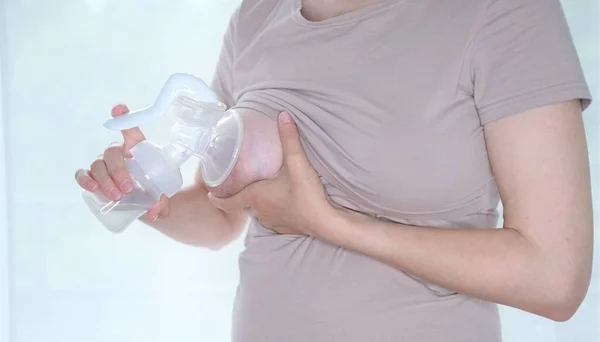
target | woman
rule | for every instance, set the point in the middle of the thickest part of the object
(414, 118)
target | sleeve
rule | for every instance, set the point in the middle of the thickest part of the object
(524, 57)
(222, 81)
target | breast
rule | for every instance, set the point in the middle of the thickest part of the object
(388, 123)
(260, 155)
(393, 161)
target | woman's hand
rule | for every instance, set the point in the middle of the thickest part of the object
(294, 201)
(109, 174)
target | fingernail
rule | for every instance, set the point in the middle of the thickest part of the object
(127, 186)
(115, 194)
(94, 187)
(285, 118)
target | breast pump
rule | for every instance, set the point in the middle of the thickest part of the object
(203, 129)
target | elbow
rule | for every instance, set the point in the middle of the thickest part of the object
(212, 244)
(215, 244)
(562, 311)
(565, 297)
(217, 239)
(219, 244)
(229, 234)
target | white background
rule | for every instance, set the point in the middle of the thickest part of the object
(64, 278)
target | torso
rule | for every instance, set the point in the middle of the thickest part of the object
(389, 123)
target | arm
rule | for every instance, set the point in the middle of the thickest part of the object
(541, 260)
(193, 220)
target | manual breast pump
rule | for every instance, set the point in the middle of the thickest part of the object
(203, 129)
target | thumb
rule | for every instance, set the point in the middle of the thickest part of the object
(238, 202)
(293, 153)
(131, 136)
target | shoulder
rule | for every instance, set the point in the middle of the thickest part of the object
(524, 57)
(256, 12)
(252, 16)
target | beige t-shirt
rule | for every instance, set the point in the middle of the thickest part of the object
(390, 100)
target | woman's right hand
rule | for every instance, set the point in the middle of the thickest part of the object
(109, 174)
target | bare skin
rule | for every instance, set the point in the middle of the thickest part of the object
(189, 217)
(260, 156)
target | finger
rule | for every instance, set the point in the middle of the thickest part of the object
(85, 181)
(165, 208)
(114, 158)
(131, 136)
(293, 152)
(159, 211)
(99, 173)
(238, 202)
(119, 109)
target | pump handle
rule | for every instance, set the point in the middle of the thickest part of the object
(178, 85)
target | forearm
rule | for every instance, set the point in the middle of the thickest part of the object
(497, 265)
(194, 220)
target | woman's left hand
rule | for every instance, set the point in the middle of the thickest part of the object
(294, 201)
